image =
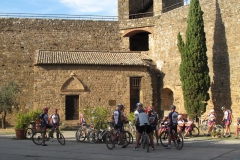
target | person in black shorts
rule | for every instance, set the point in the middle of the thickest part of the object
(172, 123)
(44, 119)
(118, 118)
(141, 120)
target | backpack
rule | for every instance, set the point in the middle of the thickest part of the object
(174, 117)
(152, 119)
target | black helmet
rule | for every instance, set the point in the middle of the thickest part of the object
(173, 107)
(120, 106)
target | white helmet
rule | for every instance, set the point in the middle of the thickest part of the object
(212, 110)
(179, 116)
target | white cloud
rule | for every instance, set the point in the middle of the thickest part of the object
(108, 7)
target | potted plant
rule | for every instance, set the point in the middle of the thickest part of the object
(21, 124)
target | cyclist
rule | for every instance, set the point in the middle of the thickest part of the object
(44, 123)
(118, 118)
(135, 117)
(141, 120)
(172, 123)
(153, 121)
(238, 127)
(188, 126)
(228, 120)
(181, 123)
(82, 120)
(162, 125)
(54, 120)
(211, 122)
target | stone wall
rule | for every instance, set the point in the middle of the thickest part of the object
(221, 28)
(20, 38)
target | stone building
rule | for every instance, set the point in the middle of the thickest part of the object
(70, 64)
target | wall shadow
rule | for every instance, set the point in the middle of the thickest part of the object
(220, 86)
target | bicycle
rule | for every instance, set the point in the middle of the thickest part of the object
(112, 139)
(145, 138)
(194, 132)
(37, 136)
(33, 127)
(99, 134)
(204, 127)
(130, 129)
(83, 132)
(177, 138)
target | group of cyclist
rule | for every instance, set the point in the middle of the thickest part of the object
(146, 115)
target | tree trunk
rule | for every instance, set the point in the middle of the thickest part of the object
(4, 114)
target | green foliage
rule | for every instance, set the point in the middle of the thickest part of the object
(24, 119)
(9, 94)
(131, 117)
(194, 71)
(96, 115)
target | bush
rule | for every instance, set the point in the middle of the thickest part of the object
(131, 117)
(97, 115)
(24, 119)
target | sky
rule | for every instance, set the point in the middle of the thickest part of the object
(71, 7)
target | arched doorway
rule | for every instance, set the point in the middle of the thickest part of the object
(167, 99)
(138, 39)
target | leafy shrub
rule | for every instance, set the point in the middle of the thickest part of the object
(24, 119)
(131, 117)
(96, 115)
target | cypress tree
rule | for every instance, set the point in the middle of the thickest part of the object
(194, 71)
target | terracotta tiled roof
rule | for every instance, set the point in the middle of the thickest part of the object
(91, 58)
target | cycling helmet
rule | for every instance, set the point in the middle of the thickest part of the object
(173, 107)
(179, 116)
(223, 107)
(139, 104)
(120, 106)
(212, 110)
(45, 108)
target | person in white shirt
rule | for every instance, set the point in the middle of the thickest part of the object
(211, 121)
(135, 118)
(181, 124)
(228, 120)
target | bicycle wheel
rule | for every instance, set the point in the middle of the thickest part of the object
(178, 141)
(28, 132)
(37, 138)
(80, 135)
(194, 132)
(125, 139)
(129, 137)
(92, 136)
(145, 141)
(219, 129)
(204, 128)
(110, 141)
(164, 138)
(60, 138)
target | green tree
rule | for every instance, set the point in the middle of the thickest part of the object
(8, 98)
(194, 71)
